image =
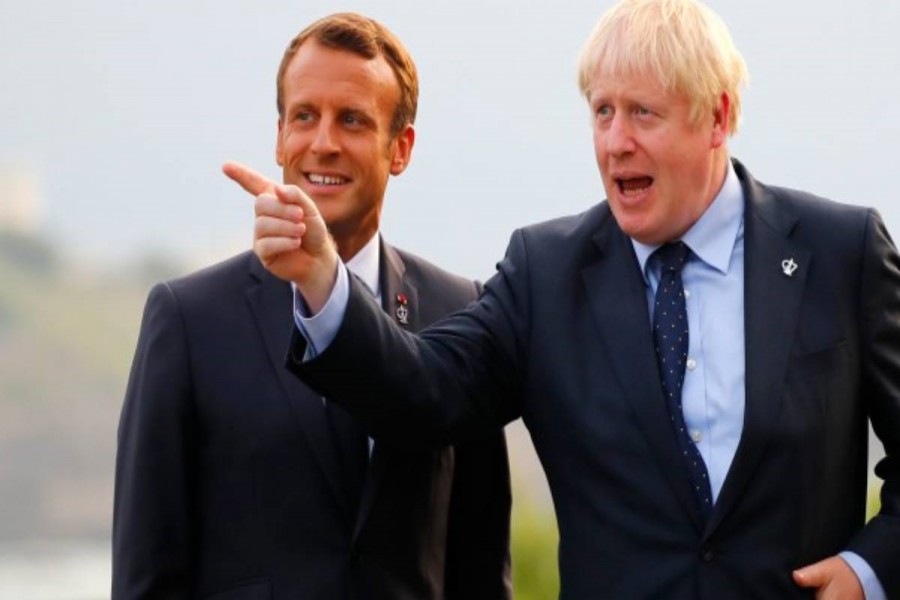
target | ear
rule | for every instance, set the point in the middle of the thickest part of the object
(279, 148)
(721, 114)
(402, 149)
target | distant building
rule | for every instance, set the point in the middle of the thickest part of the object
(21, 206)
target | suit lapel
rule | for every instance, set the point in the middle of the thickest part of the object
(772, 305)
(399, 298)
(270, 301)
(618, 302)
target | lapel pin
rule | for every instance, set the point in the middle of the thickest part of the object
(402, 311)
(788, 266)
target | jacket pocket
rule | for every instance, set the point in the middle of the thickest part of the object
(818, 362)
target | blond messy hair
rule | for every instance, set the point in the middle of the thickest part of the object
(681, 44)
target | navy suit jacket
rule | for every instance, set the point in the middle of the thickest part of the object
(561, 337)
(228, 483)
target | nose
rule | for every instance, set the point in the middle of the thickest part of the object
(324, 143)
(619, 137)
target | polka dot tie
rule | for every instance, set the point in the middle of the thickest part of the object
(670, 334)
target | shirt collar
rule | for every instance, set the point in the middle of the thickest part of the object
(364, 264)
(712, 237)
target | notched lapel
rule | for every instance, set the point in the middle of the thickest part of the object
(618, 301)
(270, 301)
(772, 300)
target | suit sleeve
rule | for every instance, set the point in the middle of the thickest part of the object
(880, 390)
(457, 379)
(152, 539)
(478, 560)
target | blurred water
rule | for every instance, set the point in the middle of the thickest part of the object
(54, 570)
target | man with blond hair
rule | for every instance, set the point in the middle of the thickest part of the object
(696, 358)
(236, 481)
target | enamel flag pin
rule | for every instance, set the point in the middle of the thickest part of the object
(402, 311)
(788, 266)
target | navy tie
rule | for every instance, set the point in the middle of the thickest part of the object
(670, 334)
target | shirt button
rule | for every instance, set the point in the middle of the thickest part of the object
(687, 293)
(691, 364)
(696, 435)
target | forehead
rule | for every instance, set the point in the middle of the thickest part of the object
(318, 73)
(635, 85)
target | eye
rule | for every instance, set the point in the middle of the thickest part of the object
(353, 119)
(642, 111)
(604, 111)
(303, 115)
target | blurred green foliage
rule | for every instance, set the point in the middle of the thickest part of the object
(874, 500)
(535, 540)
(67, 333)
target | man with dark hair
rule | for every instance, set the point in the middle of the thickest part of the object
(233, 479)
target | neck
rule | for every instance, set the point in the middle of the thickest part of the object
(349, 246)
(717, 177)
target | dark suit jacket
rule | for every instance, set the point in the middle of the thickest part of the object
(561, 337)
(227, 479)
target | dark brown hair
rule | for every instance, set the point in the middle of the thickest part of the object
(367, 38)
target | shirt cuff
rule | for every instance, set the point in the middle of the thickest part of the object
(872, 588)
(320, 329)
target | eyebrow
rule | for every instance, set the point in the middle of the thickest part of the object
(348, 109)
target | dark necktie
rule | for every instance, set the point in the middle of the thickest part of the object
(670, 334)
(353, 451)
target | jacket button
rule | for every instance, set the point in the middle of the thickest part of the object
(707, 554)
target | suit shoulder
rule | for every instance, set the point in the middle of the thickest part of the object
(240, 263)
(215, 281)
(822, 219)
(808, 203)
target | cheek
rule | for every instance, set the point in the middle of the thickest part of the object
(601, 156)
(599, 143)
(292, 144)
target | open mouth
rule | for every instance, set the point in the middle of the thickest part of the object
(322, 179)
(633, 186)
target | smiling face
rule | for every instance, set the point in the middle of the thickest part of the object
(661, 169)
(334, 139)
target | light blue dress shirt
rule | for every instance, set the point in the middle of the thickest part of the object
(713, 275)
(713, 393)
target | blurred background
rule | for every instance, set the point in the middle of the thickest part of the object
(116, 116)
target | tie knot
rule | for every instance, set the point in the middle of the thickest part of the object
(672, 256)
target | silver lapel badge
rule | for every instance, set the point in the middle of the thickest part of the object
(402, 311)
(788, 266)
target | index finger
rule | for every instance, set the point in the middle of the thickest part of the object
(252, 181)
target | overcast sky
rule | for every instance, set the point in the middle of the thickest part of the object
(124, 111)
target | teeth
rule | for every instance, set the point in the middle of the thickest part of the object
(635, 186)
(635, 191)
(325, 179)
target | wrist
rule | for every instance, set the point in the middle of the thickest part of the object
(319, 285)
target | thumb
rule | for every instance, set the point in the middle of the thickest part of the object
(291, 194)
(812, 576)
